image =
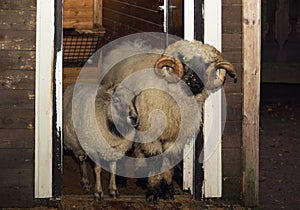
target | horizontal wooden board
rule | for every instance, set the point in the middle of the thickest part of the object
(232, 19)
(234, 107)
(232, 2)
(17, 118)
(136, 11)
(232, 135)
(23, 5)
(16, 178)
(17, 197)
(12, 59)
(232, 41)
(16, 138)
(17, 99)
(233, 55)
(77, 5)
(17, 20)
(131, 20)
(148, 4)
(16, 159)
(231, 161)
(17, 79)
(23, 40)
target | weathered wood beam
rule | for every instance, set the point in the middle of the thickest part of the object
(251, 93)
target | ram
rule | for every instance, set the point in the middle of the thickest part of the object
(186, 71)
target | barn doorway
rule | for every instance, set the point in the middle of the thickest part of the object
(184, 19)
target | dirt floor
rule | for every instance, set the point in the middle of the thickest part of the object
(280, 147)
(279, 165)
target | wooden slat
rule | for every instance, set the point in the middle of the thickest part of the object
(233, 107)
(251, 64)
(17, 20)
(17, 197)
(16, 118)
(232, 135)
(130, 20)
(16, 159)
(148, 4)
(23, 5)
(136, 11)
(231, 162)
(17, 79)
(12, 59)
(16, 138)
(16, 178)
(231, 22)
(10, 40)
(17, 99)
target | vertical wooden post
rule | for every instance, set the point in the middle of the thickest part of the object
(97, 22)
(251, 94)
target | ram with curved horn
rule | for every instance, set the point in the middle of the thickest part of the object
(195, 63)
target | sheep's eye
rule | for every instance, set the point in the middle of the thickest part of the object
(116, 100)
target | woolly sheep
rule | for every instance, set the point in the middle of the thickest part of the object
(203, 70)
(80, 105)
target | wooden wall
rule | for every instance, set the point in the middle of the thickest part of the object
(126, 17)
(17, 75)
(232, 136)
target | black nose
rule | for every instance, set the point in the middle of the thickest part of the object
(134, 121)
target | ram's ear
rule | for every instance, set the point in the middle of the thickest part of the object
(170, 68)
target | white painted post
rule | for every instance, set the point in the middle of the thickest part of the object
(43, 98)
(189, 149)
(212, 129)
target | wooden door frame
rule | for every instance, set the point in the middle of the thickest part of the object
(48, 100)
(251, 59)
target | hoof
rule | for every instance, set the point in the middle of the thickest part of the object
(167, 190)
(86, 185)
(98, 196)
(114, 194)
(153, 194)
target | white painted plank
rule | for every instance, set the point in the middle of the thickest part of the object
(43, 98)
(189, 149)
(213, 110)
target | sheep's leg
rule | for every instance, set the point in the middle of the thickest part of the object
(160, 186)
(154, 188)
(98, 186)
(84, 182)
(113, 191)
(166, 185)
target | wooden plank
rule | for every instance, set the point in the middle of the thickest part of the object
(17, 79)
(16, 197)
(136, 11)
(17, 118)
(117, 27)
(233, 40)
(23, 5)
(10, 40)
(16, 159)
(233, 107)
(232, 135)
(146, 4)
(233, 55)
(137, 23)
(17, 20)
(251, 95)
(231, 162)
(97, 14)
(17, 99)
(16, 178)
(12, 59)
(232, 15)
(16, 138)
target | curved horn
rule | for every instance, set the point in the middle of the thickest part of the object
(217, 74)
(228, 67)
(169, 67)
